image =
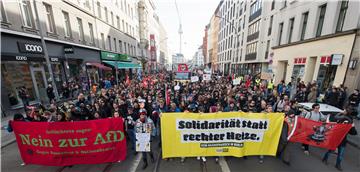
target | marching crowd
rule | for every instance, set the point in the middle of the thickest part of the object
(143, 101)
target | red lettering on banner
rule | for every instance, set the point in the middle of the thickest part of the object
(69, 143)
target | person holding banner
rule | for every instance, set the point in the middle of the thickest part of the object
(144, 126)
(341, 118)
(314, 115)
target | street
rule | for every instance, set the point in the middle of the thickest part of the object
(300, 162)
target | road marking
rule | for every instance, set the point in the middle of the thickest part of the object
(224, 165)
(136, 162)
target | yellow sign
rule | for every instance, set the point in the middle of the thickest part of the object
(220, 134)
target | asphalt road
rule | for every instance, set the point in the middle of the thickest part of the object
(10, 162)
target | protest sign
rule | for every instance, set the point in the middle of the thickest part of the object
(319, 134)
(194, 79)
(69, 143)
(220, 134)
(142, 142)
(206, 77)
(236, 81)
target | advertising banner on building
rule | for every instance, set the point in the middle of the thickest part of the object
(319, 134)
(152, 48)
(220, 134)
(69, 143)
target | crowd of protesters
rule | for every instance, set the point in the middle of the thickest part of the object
(143, 101)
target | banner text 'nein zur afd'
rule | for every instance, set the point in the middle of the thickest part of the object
(69, 143)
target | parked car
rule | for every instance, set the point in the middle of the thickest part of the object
(324, 109)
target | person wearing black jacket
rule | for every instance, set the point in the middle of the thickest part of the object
(341, 118)
(50, 93)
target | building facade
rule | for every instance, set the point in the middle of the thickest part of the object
(198, 58)
(79, 36)
(245, 36)
(212, 45)
(316, 42)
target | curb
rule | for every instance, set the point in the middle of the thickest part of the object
(7, 143)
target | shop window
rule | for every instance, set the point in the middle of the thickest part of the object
(15, 75)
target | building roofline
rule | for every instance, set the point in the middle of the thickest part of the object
(353, 31)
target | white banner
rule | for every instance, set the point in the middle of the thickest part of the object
(236, 81)
(142, 142)
(194, 79)
(206, 77)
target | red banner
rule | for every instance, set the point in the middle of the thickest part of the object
(69, 143)
(319, 134)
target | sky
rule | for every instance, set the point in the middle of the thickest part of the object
(194, 14)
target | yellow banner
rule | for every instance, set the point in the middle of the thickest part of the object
(220, 134)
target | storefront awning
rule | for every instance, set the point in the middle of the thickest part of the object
(123, 65)
(98, 65)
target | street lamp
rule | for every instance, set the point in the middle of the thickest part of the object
(236, 33)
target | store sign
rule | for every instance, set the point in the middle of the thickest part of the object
(21, 58)
(54, 59)
(30, 48)
(336, 59)
(68, 49)
(115, 57)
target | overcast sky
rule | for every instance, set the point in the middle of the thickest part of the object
(195, 14)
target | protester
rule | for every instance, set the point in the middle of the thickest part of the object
(341, 118)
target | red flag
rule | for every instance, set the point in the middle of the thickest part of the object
(319, 134)
(69, 143)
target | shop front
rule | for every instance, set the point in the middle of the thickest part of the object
(324, 60)
(121, 62)
(23, 64)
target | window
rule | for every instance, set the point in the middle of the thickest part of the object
(321, 20)
(255, 7)
(291, 28)
(91, 31)
(127, 28)
(3, 14)
(99, 9)
(123, 26)
(273, 5)
(284, 4)
(102, 41)
(342, 13)
(251, 48)
(81, 29)
(267, 49)
(304, 23)
(253, 28)
(26, 13)
(112, 18)
(67, 27)
(50, 25)
(106, 15)
(280, 32)
(118, 22)
(120, 47)
(115, 47)
(125, 50)
(270, 25)
(244, 22)
(109, 42)
(87, 4)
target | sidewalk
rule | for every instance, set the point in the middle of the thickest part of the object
(6, 137)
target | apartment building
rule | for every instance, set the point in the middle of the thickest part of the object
(198, 58)
(81, 37)
(315, 41)
(245, 36)
(212, 40)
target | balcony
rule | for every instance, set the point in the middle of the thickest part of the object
(251, 56)
(255, 15)
(252, 36)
